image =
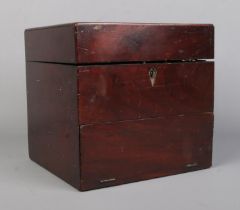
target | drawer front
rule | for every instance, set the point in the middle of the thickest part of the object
(121, 152)
(108, 93)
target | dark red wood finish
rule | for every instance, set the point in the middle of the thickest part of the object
(121, 152)
(79, 43)
(143, 42)
(51, 44)
(121, 92)
(96, 120)
(53, 128)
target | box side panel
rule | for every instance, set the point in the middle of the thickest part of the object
(51, 44)
(129, 151)
(109, 93)
(143, 42)
(53, 130)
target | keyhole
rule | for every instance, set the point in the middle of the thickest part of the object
(152, 74)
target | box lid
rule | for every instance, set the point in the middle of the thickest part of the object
(86, 43)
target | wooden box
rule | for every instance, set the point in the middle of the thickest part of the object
(112, 103)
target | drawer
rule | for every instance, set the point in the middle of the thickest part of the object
(108, 93)
(120, 152)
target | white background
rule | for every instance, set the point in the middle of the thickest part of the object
(24, 185)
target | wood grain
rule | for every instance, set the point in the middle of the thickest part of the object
(143, 42)
(53, 131)
(123, 92)
(81, 43)
(51, 44)
(96, 119)
(122, 152)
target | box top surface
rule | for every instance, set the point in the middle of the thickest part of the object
(117, 23)
(86, 43)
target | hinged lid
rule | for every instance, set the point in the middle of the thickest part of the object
(85, 43)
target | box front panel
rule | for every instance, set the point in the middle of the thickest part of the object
(121, 152)
(109, 93)
(97, 43)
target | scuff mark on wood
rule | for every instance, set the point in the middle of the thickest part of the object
(97, 27)
(191, 165)
(108, 180)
